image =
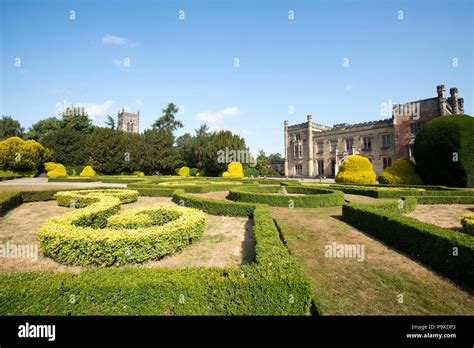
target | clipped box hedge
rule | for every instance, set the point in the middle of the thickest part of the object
(468, 223)
(430, 244)
(391, 191)
(310, 197)
(9, 200)
(213, 206)
(274, 284)
(98, 235)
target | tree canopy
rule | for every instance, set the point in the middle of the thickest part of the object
(10, 128)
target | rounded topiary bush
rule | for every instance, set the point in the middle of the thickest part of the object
(55, 169)
(234, 170)
(88, 171)
(401, 172)
(356, 170)
(444, 151)
(184, 171)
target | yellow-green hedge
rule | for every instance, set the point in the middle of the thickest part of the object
(234, 170)
(468, 223)
(401, 172)
(88, 171)
(55, 169)
(97, 234)
(356, 170)
(184, 171)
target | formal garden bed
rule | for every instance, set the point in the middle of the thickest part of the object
(272, 284)
(226, 256)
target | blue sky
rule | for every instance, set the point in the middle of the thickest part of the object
(283, 64)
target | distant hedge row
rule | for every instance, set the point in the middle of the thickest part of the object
(213, 206)
(309, 197)
(387, 191)
(445, 250)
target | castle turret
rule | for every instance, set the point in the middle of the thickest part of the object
(454, 100)
(441, 99)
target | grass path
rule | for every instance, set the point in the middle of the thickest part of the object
(375, 286)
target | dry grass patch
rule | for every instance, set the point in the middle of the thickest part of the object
(214, 195)
(345, 286)
(443, 215)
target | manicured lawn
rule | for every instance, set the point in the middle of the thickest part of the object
(345, 286)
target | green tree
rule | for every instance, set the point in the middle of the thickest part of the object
(220, 141)
(192, 148)
(163, 157)
(168, 120)
(43, 128)
(110, 123)
(10, 128)
(104, 151)
(262, 163)
(69, 140)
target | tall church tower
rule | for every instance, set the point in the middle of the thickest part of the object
(128, 122)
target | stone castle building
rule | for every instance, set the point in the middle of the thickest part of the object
(316, 150)
(128, 122)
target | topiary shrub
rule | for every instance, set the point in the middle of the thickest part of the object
(88, 171)
(356, 170)
(138, 173)
(55, 169)
(201, 172)
(183, 171)
(444, 151)
(193, 171)
(234, 170)
(401, 172)
(22, 157)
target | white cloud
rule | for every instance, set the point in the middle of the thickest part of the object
(217, 116)
(117, 40)
(99, 110)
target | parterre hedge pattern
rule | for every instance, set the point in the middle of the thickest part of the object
(98, 235)
(213, 206)
(445, 250)
(309, 197)
(273, 285)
